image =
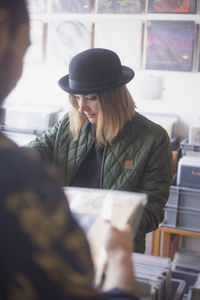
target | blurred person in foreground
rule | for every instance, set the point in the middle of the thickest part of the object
(44, 253)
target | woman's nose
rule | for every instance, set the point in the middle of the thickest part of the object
(81, 105)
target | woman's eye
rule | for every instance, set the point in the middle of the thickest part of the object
(88, 98)
(92, 98)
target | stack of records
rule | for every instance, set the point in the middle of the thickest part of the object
(189, 172)
(186, 261)
(153, 276)
(189, 149)
(2, 115)
(194, 292)
(186, 266)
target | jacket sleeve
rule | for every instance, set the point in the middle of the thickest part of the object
(156, 180)
(46, 144)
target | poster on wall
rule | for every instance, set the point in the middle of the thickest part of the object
(36, 51)
(71, 6)
(170, 45)
(66, 39)
(172, 6)
(36, 6)
(119, 6)
(198, 50)
(199, 64)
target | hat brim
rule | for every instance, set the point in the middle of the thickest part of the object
(127, 73)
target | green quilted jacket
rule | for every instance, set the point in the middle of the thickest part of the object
(138, 160)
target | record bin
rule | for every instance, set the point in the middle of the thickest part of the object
(186, 267)
(189, 149)
(182, 218)
(182, 209)
(182, 197)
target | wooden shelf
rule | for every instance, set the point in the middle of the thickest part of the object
(170, 240)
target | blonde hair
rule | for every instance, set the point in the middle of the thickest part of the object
(116, 108)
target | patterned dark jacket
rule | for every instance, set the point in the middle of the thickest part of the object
(44, 254)
(138, 160)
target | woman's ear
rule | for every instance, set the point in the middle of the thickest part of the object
(4, 31)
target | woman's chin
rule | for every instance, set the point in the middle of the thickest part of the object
(92, 120)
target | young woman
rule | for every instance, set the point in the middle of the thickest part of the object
(103, 142)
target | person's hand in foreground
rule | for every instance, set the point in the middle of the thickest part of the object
(118, 245)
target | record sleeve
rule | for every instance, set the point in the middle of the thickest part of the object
(71, 6)
(172, 6)
(36, 6)
(198, 48)
(190, 177)
(188, 174)
(66, 39)
(36, 51)
(170, 45)
(199, 62)
(119, 7)
(91, 206)
(194, 135)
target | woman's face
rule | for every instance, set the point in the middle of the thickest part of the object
(88, 105)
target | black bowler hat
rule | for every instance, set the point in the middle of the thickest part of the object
(95, 70)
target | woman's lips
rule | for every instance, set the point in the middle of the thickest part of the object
(90, 115)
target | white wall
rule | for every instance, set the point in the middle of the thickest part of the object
(38, 86)
(180, 96)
